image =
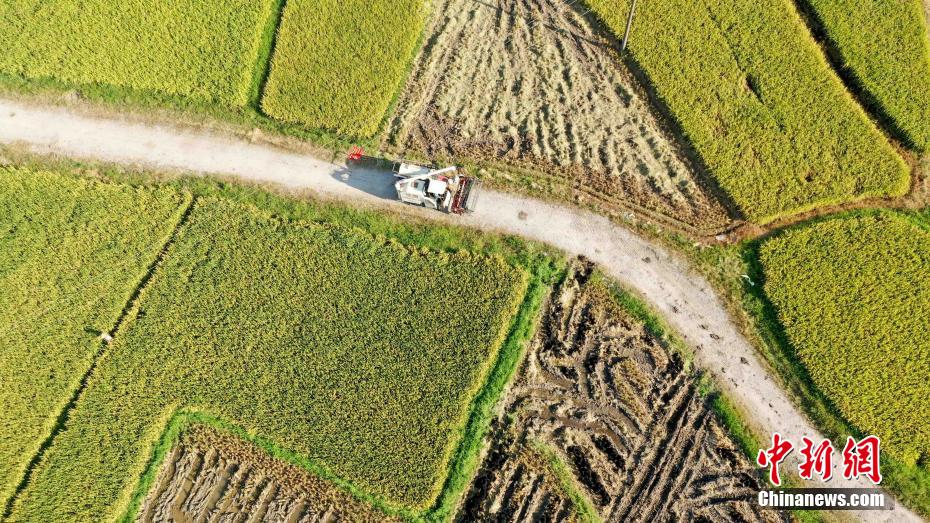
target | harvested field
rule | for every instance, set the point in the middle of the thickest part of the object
(622, 414)
(213, 476)
(535, 85)
(517, 484)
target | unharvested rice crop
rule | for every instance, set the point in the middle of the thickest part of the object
(72, 252)
(201, 49)
(926, 4)
(884, 45)
(756, 97)
(338, 64)
(354, 351)
(539, 86)
(853, 297)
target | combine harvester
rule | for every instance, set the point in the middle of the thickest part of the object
(449, 190)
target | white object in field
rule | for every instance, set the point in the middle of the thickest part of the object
(446, 189)
(105, 336)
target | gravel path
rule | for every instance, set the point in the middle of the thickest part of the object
(680, 294)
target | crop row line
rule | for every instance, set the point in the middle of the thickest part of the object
(262, 66)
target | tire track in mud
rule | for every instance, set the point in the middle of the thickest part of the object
(623, 414)
(534, 84)
(209, 476)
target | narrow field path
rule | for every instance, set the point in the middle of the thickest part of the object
(680, 294)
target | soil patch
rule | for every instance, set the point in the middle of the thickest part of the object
(623, 415)
(536, 85)
(211, 476)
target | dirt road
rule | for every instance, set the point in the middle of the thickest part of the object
(681, 295)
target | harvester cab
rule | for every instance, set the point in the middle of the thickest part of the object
(449, 190)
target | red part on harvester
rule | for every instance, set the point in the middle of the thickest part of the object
(460, 200)
(355, 153)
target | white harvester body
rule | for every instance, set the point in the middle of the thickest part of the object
(448, 189)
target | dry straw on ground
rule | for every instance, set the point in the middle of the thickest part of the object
(536, 85)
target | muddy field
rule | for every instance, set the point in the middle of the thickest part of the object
(534, 84)
(215, 477)
(623, 416)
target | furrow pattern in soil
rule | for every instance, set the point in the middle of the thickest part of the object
(622, 414)
(214, 477)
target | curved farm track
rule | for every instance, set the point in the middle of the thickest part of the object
(684, 297)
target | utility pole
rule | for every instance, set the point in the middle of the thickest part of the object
(629, 24)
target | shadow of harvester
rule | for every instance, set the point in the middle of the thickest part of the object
(370, 175)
